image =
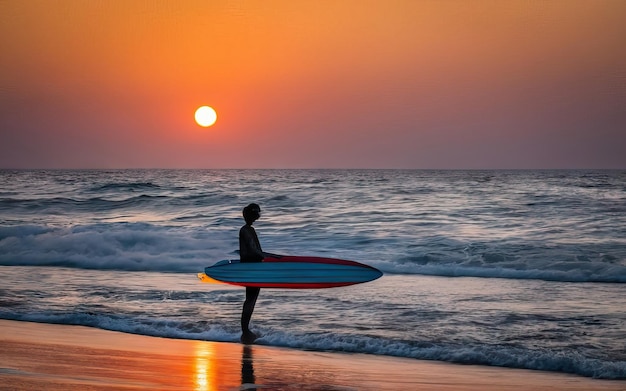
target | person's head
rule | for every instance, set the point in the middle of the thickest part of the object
(251, 213)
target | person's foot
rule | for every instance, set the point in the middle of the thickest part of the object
(248, 337)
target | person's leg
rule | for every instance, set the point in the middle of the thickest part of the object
(246, 314)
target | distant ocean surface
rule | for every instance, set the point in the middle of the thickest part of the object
(521, 269)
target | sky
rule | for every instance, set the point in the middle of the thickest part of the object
(446, 84)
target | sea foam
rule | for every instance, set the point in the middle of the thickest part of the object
(149, 247)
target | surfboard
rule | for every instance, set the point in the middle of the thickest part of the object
(293, 272)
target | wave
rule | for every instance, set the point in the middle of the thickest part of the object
(183, 249)
(60, 204)
(477, 354)
(131, 186)
(607, 274)
(474, 354)
(70, 206)
(600, 272)
(122, 246)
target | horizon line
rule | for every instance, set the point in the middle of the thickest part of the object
(301, 168)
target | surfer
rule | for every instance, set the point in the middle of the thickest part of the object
(250, 251)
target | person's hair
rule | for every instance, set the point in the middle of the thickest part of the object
(249, 211)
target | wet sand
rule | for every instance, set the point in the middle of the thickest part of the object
(60, 357)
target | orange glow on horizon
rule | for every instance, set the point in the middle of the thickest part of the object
(437, 84)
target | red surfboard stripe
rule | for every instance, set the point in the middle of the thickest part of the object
(294, 285)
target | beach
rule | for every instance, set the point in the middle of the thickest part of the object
(61, 357)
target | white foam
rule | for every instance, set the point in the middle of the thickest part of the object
(149, 247)
(132, 247)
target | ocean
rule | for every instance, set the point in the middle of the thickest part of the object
(520, 269)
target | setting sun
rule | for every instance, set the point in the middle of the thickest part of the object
(205, 116)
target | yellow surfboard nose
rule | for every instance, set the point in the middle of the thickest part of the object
(204, 278)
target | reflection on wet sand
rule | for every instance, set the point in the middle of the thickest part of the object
(217, 365)
(247, 369)
(213, 368)
(205, 371)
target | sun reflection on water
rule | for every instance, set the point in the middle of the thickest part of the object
(205, 375)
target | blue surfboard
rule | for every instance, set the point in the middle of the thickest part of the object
(293, 272)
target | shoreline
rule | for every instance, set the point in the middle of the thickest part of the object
(65, 357)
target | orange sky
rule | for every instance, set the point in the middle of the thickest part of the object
(319, 84)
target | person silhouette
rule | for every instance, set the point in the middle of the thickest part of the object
(250, 251)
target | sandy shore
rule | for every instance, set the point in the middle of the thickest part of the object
(55, 357)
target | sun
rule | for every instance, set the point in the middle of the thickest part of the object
(205, 116)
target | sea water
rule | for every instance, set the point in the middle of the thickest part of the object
(522, 269)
